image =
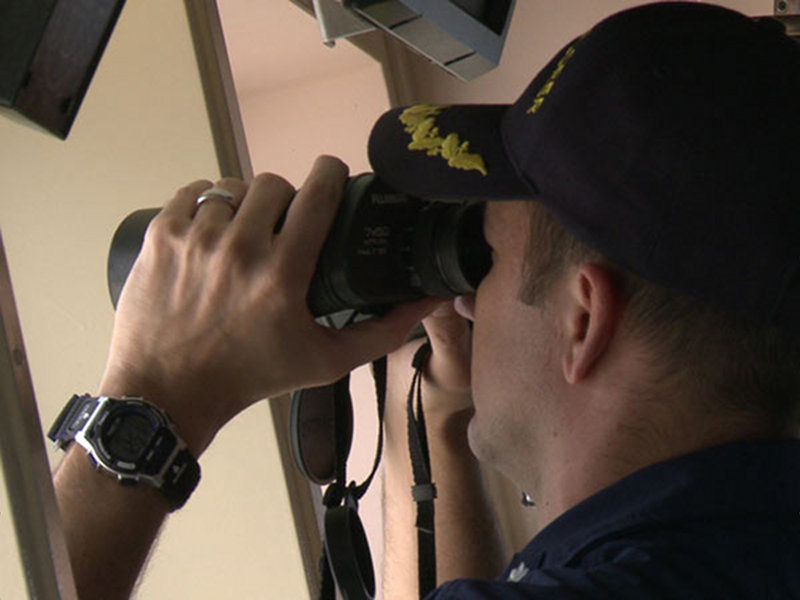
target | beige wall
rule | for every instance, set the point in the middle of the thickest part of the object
(141, 133)
(287, 128)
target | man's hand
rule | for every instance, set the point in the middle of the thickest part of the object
(446, 379)
(213, 316)
(467, 541)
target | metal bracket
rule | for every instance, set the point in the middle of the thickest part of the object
(336, 21)
(788, 13)
(787, 7)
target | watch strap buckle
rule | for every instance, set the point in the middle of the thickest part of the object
(72, 419)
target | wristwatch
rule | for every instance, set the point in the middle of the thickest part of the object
(131, 439)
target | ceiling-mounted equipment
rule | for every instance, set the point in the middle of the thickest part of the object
(465, 37)
(50, 50)
(788, 13)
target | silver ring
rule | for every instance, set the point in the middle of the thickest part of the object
(217, 193)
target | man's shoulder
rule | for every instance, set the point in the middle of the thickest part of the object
(718, 524)
(694, 562)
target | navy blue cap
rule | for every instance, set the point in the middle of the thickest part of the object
(667, 138)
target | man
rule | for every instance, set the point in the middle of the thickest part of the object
(634, 352)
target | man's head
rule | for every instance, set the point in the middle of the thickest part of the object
(724, 362)
(573, 355)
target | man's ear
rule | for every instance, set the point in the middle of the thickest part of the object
(592, 314)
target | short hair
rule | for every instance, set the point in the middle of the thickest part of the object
(736, 364)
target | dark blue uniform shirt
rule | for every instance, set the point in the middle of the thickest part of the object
(720, 523)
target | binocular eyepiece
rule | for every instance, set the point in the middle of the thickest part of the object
(384, 248)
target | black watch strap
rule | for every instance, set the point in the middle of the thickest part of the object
(180, 479)
(72, 419)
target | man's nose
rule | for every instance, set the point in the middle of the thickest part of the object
(465, 306)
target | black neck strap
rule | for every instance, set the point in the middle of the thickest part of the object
(348, 563)
(424, 491)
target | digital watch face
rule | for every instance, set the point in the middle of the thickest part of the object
(127, 434)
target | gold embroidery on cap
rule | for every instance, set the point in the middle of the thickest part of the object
(551, 81)
(420, 122)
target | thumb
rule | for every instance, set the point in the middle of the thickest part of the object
(451, 341)
(368, 340)
(448, 332)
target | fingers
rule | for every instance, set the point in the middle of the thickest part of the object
(451, 341)
(217, 210)
(372, 339)
(465, 306)
(265, 202)
(448, 332)
(182, 206)
(182, 211)
(310, 217)
(448, 370)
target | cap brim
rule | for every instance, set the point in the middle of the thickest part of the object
(423, 168)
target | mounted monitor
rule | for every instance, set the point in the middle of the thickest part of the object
(50, 50)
